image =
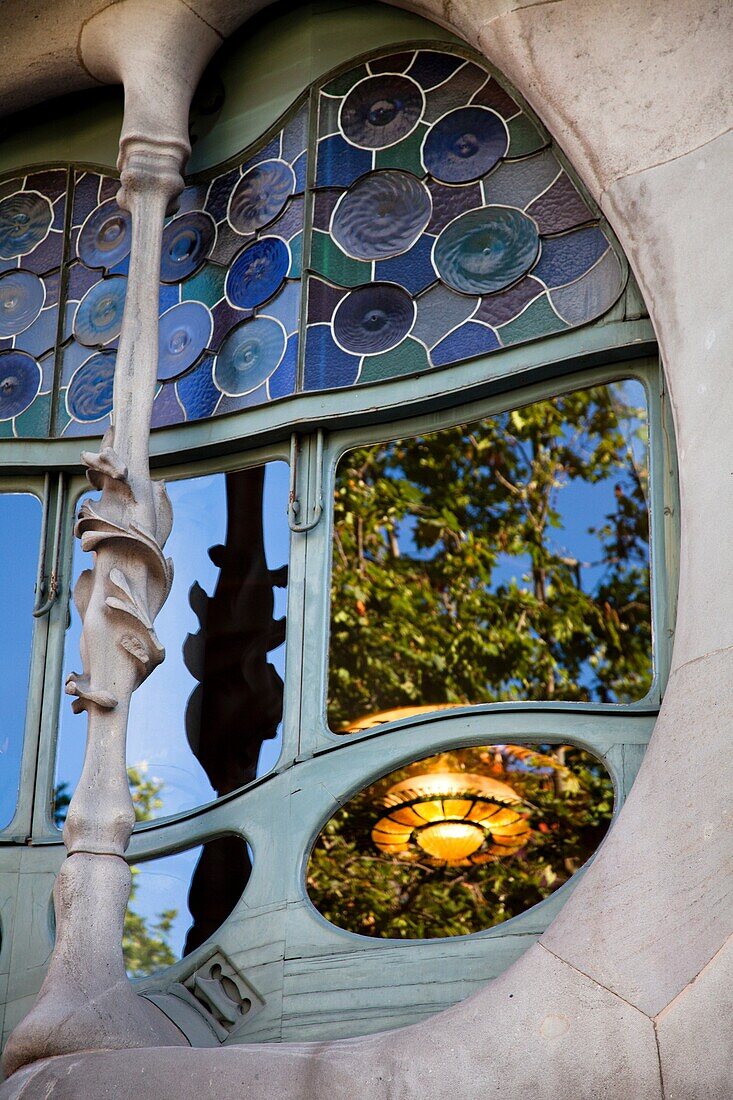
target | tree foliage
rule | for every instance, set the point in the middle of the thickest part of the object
(568, 798)
(145, 941)
(452, 578)
(506, 559)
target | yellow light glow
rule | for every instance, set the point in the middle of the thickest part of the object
(450, 818)
(450, 841)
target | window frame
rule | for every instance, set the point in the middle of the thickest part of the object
(309, 783)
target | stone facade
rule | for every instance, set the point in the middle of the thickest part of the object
(628, 992)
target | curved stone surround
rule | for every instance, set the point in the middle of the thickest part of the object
(625, 995)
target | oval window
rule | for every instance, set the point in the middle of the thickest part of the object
(460, 841)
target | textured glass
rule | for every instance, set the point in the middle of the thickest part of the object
(22, 297)
(486, 250)
(183, 333)
(249, 355)
(89, 396)
(326, 364)
(454, 92)
(591, 294)
(516, 183)
(424, 175)
(339, 162)
(187, 241)
(538, 319)
(260, 195)
(431, 68)
(25, 219)
(98, 316)
(517, 820)
(197, 392)
(20, 532)
(381, 215)
(413, 269)
(464, 145)
(20, 381)
(566, 258)
(497, 309)
(210, 720)
(449, 202)
(439, 310)
(559, 208)
(106, 236)
(465, 342)
(373, 318)
(257, 272)
(409, 357)
(505, 559)
(381, 110)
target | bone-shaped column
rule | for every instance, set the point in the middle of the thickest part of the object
(158, 51)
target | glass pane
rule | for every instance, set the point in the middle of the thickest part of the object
(209, 718)
(460, 841)
(172, 907)
(504, 559)
(20, 534)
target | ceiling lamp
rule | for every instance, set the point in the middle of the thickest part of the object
(451, 819)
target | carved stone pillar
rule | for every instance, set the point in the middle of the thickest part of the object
(86, 1002)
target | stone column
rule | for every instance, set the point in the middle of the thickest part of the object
(157, 50)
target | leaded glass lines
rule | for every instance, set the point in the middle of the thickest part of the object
(440, 227)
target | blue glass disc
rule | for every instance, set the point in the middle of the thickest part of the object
(373, 318)
(260, 195)
(89, 396)
(382, 215)
(187, 241)
(22, 295)
(99, 314)
(183, 333)
(381, 110)
(106, 236)
(20, 381)
(464, 145)
(25, 219)
(249, 355)
(485, 250)
(257, 272)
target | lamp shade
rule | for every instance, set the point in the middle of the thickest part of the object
(451, 819)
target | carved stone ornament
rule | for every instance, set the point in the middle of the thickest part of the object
(86, 1000)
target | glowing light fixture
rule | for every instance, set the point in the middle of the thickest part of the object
(451, 819)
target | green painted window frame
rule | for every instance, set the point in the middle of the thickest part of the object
(275, 932)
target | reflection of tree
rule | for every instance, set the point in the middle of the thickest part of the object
(428, 530)
(237, 703)
(145, 943)
(569, 800)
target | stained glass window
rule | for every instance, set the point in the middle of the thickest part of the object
(427, 222)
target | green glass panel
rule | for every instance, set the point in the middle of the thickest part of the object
(296, 264)
(328, 259)
(538, 319)
(328, 115)
(62, 417)
(524, 137)
(341, 84)
(35, 421)
(6, 429)
(405, 154)
(206, 286)
(409, 357)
